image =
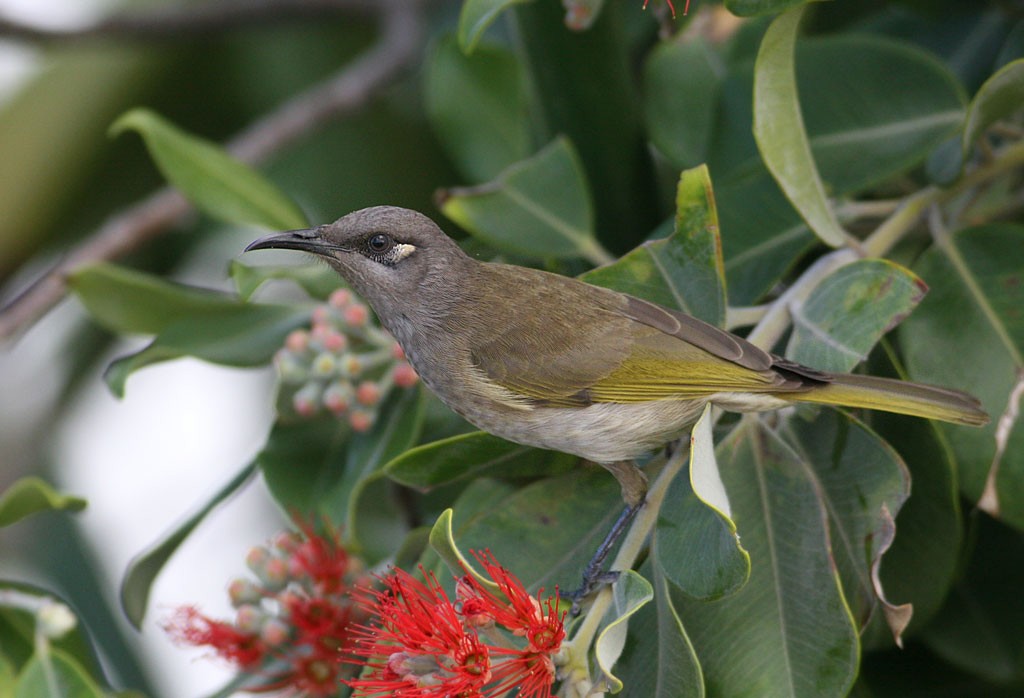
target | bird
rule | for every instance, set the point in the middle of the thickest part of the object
(550, 361)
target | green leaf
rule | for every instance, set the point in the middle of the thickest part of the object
(546, 532)
(866, 121)
(695, 542)
(476, 16)
(968, 333)
(779, 129)
(363, 495)
(659, 660)
(30, 495)
(753, 8)
(849, 311)
(473, 455)
(215, 182)
(127, 301)
(683, 271)
(442, 540)
(301, 460)
(242, 335)
(477, 106)
(18, 630)
(539, 207)
(788, 631)
(862, 483)
(762, 236)
(921, 566)
(1001, 96)
(316, 280)
(56, 675)
(629, 593)
(978, 629)
(681, 87)
(146, 565)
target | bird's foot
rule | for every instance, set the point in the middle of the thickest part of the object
(594, 575)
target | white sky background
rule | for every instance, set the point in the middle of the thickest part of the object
(183, 429)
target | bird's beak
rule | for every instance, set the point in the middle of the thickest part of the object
(307, 240)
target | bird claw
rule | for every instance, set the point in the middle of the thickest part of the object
(592, 581)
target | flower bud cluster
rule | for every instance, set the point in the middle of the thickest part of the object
(345, 364)
(292, 622)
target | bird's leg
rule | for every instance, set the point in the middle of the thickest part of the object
(634, 490)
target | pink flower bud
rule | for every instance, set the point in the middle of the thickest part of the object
(368, 393)
(297, 341)
(340, 298)
(249, 618)
(397, 351)
(307, 400)
(321, 316)
(404, 375)
(275, 632)
(275, 574)
(356, 315)
(286, 541)
(361, 420)
(256, 558)
(338, 397)
(243, 591)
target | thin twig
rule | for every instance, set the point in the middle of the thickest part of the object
(174, 22)
(348, 90)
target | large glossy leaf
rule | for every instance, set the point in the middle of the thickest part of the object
(979, 627)
(1001, 96)
(302, 460)
(865, 122)
(127, 301)
(245, 336)
(695, 543)
(547, 531)
(56, 674)
(752, 8)
(658, 660)
(921, 566)
(762, 236)
(189, 321)
(849, 311)
(630, 593)
(683, 271)
(862, 483)
(968, 333)
(316, 280)
(472, 455)
(780, 133)
(363, 496)
(146, 565)
(538, 207)
(681, 87)
(477, 106)
(788, 631)
(215, 182)
(30, 495)
(476, 16)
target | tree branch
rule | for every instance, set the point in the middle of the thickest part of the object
(351, 88)
(172, 22)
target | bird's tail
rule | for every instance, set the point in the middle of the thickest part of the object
(902, 397)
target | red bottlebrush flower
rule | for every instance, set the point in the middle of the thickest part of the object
(189, 626)
(672, 8)
(522, 614)
(290, 628)
(322, 559)
(423, 645)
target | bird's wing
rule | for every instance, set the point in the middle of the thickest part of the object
(624, 350)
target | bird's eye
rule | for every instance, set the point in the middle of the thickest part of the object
(380, 243)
